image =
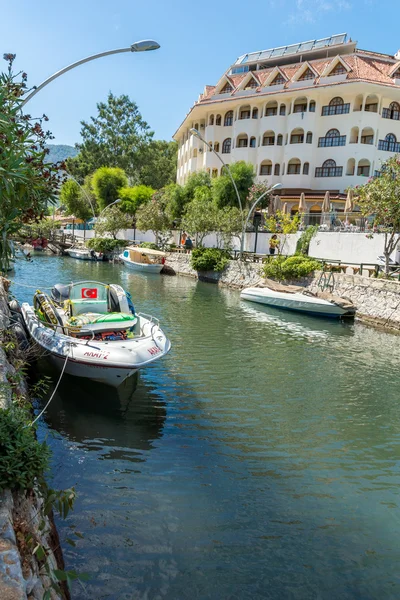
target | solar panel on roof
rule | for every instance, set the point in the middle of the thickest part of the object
(278, 52)
(320, 43)
(306, 46)
(292, 49)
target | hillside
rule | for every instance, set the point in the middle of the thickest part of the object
(60, 152)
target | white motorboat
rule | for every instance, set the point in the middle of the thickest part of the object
(92, 330)
(143, 259)
(299, 299)
(81, 253)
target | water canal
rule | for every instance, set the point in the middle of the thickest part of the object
(260, 459)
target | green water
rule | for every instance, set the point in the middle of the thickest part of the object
(260, 459)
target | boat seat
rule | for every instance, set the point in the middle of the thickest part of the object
(88, 297)
(79, 307)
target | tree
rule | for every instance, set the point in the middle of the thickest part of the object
(200, 217)
(112, 222)
(133, 197)
(381, 197)
(106, 184)
(160, 163)
(28, 183)
(153, 217)
(228, 225)
(116, 137)
(283, 223)
(223, 191)
(175, 201)
(256, 191)
(76, 203)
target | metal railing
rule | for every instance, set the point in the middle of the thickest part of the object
(327, 142)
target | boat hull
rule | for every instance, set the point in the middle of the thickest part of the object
(107, 362)
(142, 267)
(296, 302)
(79, 255)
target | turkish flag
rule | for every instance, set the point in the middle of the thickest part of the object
(89, 293)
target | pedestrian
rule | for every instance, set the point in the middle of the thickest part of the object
(273, 243)
(188, 245)
(183, 238)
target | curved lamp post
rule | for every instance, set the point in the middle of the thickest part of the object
(266, 193)
(142, 46)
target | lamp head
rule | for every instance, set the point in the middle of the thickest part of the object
(276, 186)
(144, 46)
(194, 132)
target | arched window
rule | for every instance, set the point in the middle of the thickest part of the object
(244, 112)
(294, 167)
(336, 107)
(297, 136)
(282, 110)
(389, 143)
(242, 141)
(268, 138)
(390, 138)
(228, 118)
(363, 168)
(393, 112)
(306, 168)
(218, 120)
(337, 101)
(311, 107)
(332, 133)
(367, 136)
(329, 169)
(252, 142)
(276, 169)
(300, 105)
(394, 106)
(211, 120)
(309, 138)
(279, 140)
(271, 109)
(255, 113)
(216, 146)
(226, 146)
(266, 167)
(338, 69)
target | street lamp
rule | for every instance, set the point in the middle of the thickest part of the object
(266, 193)
(142, 46)
(108, 206)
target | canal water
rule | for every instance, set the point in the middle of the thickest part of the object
(260, 459)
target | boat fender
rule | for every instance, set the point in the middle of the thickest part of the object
(14, 306)
(21, 336)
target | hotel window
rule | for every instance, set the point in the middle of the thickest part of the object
(244, 114)
(363, 170)
(308, 74)
(393, 112)
(306, 168)
(298, 108)
(252, 84)
(216, 146)
(336, 107)
(311, 107)
(218, 120)
(265, 169)
(279, 140)
(282, 110)
(367, 139)
(389, 144)
(337, 70)
(270, 111)
(372, 107)
(276, 169)
(242, 142)
(309, 138)
(329, 169)
(228, 118)
(297, 138)
(268, 140)
(278, 80)
(294, 167)
(255, 113)
(226, 146)
(227, 89)
(332, 138)
(211, 121)
(252, 142)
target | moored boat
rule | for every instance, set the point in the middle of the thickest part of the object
(299, 299)
(92, 330)
(82, 254)
(143, 259)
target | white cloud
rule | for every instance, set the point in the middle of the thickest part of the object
(310, 11)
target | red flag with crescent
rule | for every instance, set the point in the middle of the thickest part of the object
(89, 293)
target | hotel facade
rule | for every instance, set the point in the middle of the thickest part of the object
(314, 116)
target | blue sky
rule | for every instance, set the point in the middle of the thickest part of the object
(199, 41)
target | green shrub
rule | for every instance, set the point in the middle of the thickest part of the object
(150, 245)
(303, 243)
(23, 459)
(105, 245)
(209, 259)
(292, 267)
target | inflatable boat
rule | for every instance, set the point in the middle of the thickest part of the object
(92, 330)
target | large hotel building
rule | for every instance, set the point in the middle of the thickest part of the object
(314, 116)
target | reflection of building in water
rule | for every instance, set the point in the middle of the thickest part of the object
(97, 416)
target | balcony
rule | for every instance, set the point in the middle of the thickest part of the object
(387, 113)
(330, 142)
(328, 171)
(389, 146)
(335, 109)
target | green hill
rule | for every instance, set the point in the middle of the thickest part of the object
(60, 152)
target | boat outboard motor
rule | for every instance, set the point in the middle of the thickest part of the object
(60, 292)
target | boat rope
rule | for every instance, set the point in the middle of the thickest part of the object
(52, 395)
(32, 287)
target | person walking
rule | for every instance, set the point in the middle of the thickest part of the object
(188, 245)
(273, 243)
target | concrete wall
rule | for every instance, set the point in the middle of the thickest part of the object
(347, 247)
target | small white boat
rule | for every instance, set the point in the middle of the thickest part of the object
(299, 299)
(143, 259)
(81, 253)
(92, 330)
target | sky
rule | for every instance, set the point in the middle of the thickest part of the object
(199, 41)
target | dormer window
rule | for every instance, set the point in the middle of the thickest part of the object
(308, 74)
(278, 80)
(252, 84)
(339, 69)
(227, 89)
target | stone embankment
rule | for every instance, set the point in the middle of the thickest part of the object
(22, 576)
(377, 300)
